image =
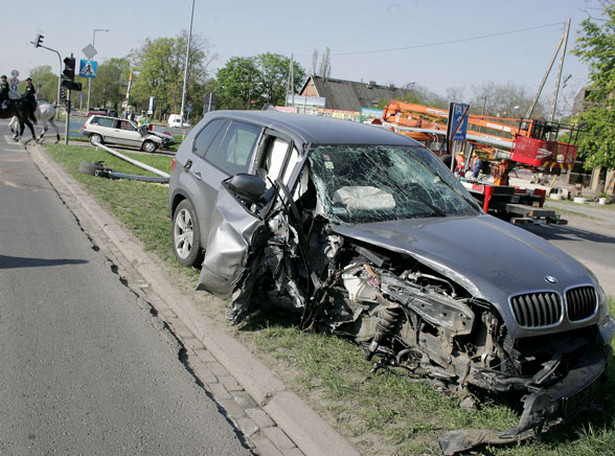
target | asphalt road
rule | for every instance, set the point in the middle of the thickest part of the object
(86, 368)
(589, 237)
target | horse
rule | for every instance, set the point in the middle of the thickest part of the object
(17, 107)
(44, 113)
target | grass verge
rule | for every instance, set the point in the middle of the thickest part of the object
(384, 412)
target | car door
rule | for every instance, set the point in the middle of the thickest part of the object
(128, 134)
(222, 148)
(238, 224)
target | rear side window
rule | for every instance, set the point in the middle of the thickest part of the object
(234, 154)
(210, 137)
(102, 121)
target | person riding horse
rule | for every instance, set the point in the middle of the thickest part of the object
(4, 91)
(29, 96)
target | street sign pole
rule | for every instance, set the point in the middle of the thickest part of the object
(456, 127)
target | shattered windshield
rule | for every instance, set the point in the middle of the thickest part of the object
(361, 184)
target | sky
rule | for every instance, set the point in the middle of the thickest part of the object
(435, 44)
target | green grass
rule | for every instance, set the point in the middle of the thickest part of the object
(140, 206)
(385, 412)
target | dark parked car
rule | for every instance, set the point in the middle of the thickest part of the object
(367, 233)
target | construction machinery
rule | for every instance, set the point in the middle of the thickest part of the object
(504, 142)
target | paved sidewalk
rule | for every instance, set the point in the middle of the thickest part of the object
(274, 420)
(604, 213)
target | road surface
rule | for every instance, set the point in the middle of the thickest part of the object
(86, 367)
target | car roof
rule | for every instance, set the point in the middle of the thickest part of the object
(317, 129)
(103, 116)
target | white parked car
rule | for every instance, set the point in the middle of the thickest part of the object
(102, 129)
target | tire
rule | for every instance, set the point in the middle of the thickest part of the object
(187, 244)
(149, 146)
(96, 139)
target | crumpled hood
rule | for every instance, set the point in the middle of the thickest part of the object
(491, 258)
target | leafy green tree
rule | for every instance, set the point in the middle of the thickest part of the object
(108, 88)
(48, 81)
(275, 73)
(236, 81)
(159, 66)
(596, 47)
(252, 82)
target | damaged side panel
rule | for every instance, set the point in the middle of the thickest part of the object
(233, 227)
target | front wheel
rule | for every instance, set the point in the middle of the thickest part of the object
(149, 146)
(187, 244)
(95, 139)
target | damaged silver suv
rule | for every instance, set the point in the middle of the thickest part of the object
(365, 232)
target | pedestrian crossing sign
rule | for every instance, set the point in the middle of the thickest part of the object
(87, 68)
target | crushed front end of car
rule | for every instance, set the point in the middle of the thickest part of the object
(416, 274)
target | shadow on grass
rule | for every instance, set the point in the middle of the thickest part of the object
(269, 317)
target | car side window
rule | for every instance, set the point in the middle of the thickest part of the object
(210, 137)
(236, 149)
(125, 125)
(103, 122)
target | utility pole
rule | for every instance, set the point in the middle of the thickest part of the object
(187, 63)
(290, 82)
(92, 55)
(563, 40)
(559, 73)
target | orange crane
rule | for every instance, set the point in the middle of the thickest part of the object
(526, 139)
(511, 141)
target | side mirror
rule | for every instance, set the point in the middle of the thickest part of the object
(248, 187)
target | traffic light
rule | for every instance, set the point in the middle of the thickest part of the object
(72, 85)
(38, 40)
(69, 69)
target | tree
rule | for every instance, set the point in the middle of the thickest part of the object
(596, 47)
(275, 73)
(48, 81)
(159, 71)
(236, 81)
(251, 82)
(324, 69)
(503, 100)
(108, 88)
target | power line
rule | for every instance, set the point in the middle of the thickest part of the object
(442, 43)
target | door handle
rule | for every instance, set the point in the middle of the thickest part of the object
(197, 174)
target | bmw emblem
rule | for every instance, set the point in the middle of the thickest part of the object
(550, 279)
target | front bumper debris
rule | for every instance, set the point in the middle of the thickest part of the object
(544, 409)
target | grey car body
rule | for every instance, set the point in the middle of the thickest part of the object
(366, 233)
(124, 132)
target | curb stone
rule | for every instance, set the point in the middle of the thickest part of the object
(275, 421)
